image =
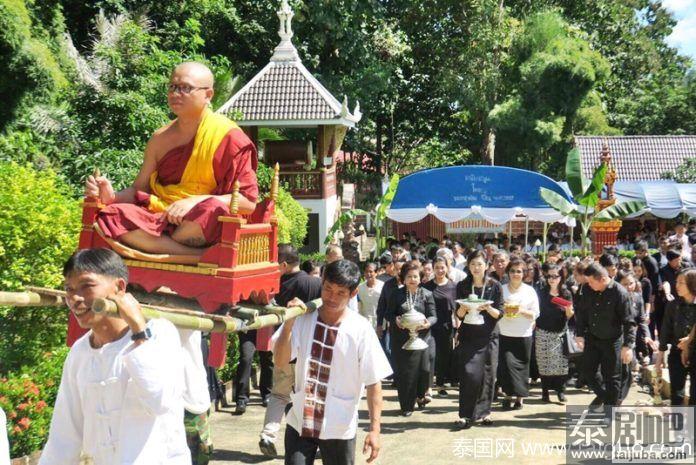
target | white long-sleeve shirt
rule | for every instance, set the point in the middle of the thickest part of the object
(196, 393)
(4, 445)
(121, 404)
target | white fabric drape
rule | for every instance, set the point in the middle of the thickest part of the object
(492, 215)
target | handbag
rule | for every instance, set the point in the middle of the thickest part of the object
(570, 347)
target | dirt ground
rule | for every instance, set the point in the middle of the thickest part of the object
(429, 437)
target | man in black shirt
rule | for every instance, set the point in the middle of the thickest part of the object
(293, 283)
(606, 329)
(652, 267)
(386, 262)
(390, 286)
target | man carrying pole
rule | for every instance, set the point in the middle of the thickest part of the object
(337, 354)
(120, 397)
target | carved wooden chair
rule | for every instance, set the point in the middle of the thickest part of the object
(244, 262)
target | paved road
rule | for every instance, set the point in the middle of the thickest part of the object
(428, 437)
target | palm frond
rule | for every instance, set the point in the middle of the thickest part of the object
(85, 72)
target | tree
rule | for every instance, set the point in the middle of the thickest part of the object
(684, 173)
(555, 72)
(29, 56)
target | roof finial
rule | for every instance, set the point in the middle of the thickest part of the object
(285, 51)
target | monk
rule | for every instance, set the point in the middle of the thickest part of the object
(187, 176)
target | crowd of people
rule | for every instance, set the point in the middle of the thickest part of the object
(567, 321)
(493, 319)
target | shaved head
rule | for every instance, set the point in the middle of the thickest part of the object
(198, 73)
(197, 80)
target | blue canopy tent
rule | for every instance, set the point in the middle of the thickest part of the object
(494, 193)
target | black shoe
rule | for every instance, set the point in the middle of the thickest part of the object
(442, 393)
(241, 408)
(506, 404)
(561, 397)
(265, 400)
(545, 396)
(268, 448)
(596, 405)
(407, 414)
(517, 406)
(488, 421)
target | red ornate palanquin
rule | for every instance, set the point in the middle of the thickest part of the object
(243, 263)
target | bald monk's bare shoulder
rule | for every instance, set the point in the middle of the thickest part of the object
(165, 139)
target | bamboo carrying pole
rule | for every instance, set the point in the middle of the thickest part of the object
(246, 317)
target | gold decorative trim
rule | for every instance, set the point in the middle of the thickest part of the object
(172, 267)
(229, 219)
(90, 204)
(207, 265)
(253, 248)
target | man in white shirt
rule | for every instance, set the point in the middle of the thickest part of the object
(196, 396)
(335, 253)
(682, 239)
(4, 445)
(337, 355)
(455, 274)
(459, 258)
(120, 397)
(368, 294)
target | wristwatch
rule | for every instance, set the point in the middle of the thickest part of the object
(144, 335)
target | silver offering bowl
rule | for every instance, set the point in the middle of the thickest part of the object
(474, 317)
(412, 320)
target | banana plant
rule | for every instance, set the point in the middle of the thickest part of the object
(381, 213)
(345, 218)
(586, 195)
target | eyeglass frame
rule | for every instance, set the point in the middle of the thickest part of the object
(178, 88)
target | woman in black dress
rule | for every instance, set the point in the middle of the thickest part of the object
(412, 368)
(476, 354)
(679, 323)
(550, 328)
(445, 293)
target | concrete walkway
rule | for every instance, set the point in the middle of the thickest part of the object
(428, 437)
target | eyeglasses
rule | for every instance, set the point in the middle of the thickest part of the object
(516, 271)
(183, 89)
(553, 276)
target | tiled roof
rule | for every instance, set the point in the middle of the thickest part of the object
(286, 91)
(637, 158)
(281, 92)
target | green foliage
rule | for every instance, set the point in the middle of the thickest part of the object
(27, 398)
(684, 173)
(31, 68)
(292, 217)
(345, 218)
(557, 71)
(297, 218)
(38, 232)
(381, 212)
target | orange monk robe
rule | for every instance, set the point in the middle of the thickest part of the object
(219, 154)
